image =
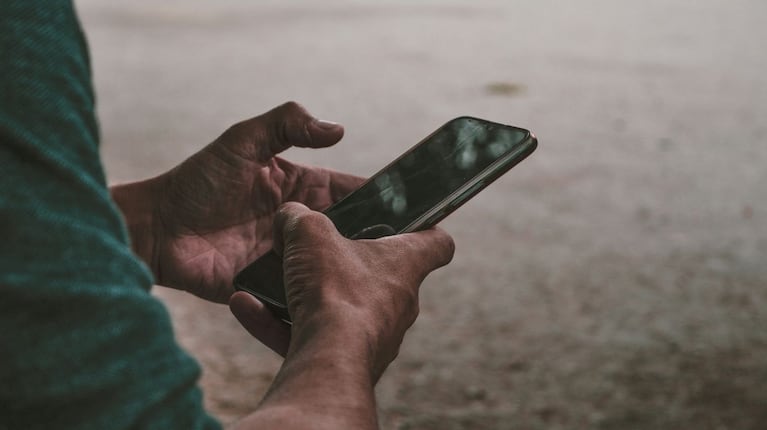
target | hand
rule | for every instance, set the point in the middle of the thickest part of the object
(212, 214)
(349, 291)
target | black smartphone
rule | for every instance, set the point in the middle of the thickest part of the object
(414, 192)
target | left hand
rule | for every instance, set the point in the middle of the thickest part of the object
(213, 213)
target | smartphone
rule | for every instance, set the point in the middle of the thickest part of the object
(414, 192)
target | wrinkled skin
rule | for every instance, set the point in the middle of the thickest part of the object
(336, 285)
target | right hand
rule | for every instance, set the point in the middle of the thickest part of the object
(368, 288)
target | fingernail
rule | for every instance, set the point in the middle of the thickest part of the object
(326, 125)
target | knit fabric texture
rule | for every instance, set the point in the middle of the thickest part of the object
(83, 345)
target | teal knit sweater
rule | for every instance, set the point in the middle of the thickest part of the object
(82, 342)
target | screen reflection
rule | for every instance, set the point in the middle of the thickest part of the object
(426, 175)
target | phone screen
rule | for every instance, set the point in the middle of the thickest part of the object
(426, 175)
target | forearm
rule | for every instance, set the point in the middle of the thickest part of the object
(326, 382)
(137, 202)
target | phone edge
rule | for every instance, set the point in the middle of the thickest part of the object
(496, 170)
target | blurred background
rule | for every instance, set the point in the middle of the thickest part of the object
(616, 279)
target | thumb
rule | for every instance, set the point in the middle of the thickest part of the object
(262, 137)
(293, 220)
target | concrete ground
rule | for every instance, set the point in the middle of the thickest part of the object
(617, 279)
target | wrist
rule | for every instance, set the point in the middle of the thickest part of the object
(327, 375)
(138, 203)
(342, 334)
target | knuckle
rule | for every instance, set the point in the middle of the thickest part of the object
(286, 209)
(286, 216)
(280, 130)
(441, 248)
(291, 107)
(310, 222)
(448, 247)
(290, 124)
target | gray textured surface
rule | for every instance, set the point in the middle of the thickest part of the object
(617, 279)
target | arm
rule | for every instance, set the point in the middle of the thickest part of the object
(83, 344)
(324, 383)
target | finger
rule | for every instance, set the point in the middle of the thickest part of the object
(293, 220)
(287, 125)
(432, 248)
(260, 322)
(292, 125)
(286, 218)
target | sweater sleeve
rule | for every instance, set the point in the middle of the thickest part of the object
(82, 342)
